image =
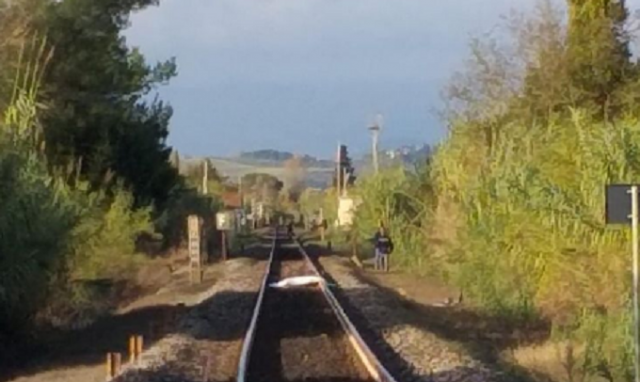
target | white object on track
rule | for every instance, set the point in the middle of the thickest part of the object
(297, 281)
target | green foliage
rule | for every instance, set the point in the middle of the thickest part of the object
(65, 220)
(96, 116)
(263, 188)
(511, 207)
(105, 236)
(598, 53)
(35, 222)
(51, 232)
(310, 202)
(609, 345)
(527, 199)
(35, 230)
(393, 198)
(184, 201)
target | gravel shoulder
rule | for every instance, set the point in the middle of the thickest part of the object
(208, 339)
(190, 331)
(410, 341)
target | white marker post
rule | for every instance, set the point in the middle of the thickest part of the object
(223, 224)
(634, 244)
(195, 248)
(619, 210)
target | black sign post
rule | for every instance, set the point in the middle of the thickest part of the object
(622, 208)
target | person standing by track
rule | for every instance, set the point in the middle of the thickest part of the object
(383, 248)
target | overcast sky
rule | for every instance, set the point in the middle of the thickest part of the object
(301, 75)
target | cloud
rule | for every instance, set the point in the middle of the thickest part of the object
(302, 74)
(272, 40)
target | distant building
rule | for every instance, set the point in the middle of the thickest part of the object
(231, 199)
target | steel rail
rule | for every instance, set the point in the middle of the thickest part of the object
(375, 369)
(247, 344)
(373, 365)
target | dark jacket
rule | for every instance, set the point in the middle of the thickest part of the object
(383, 243)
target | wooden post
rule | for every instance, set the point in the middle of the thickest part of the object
(321, 225)
(117, 363)
(114, 363)
(224, 245)
(139, 346)
(354, 244)
(110, 373)
(195, 246)
(132, 349)
(636, 276)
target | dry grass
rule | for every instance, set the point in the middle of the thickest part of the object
(555, 361)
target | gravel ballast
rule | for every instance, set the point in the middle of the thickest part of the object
(410, 353)
(298, 336)
(207, 342)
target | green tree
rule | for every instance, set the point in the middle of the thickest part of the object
(96, 86)
(311, 200)
(598, 50)
(294, 177)
(263, 188)
(585, 63)
(517, 185)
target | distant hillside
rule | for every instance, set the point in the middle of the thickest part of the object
(319, 171)
(274, 157)
(234, 168)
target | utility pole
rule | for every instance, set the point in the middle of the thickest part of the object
(338, 171)
(346, 182)
(636, 307)
(375, 128)
(240, 192)
(205, 177)
(321, 224)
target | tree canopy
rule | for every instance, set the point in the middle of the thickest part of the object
(98, 115)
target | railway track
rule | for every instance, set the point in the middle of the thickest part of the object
(301, 333)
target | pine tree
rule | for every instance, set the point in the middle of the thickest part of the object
(598, 52)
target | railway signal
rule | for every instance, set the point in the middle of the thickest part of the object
(622, 208)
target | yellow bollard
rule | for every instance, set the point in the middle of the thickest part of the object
(132, 349)
(117, 363)
(139, 346)
(109, 366)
